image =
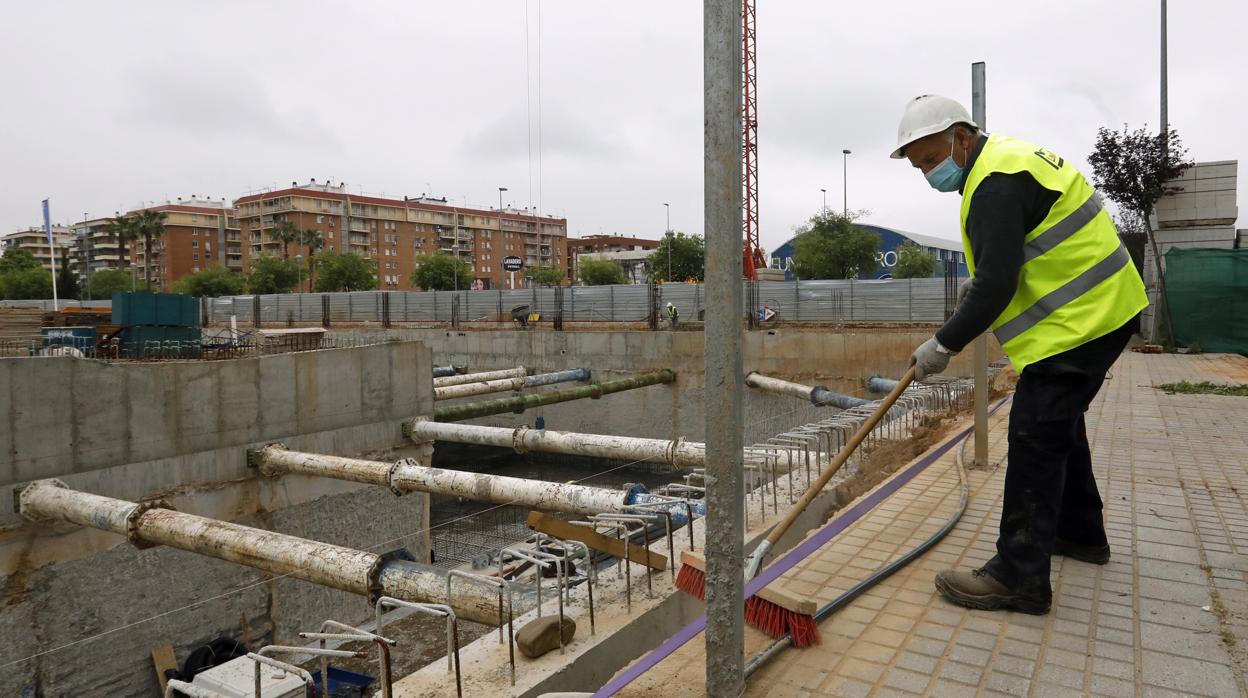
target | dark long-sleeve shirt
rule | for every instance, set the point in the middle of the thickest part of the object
(1004, 208)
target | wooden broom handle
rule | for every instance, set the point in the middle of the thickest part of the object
(813, 491)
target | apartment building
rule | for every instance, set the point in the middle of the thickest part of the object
(394, 232)
(198, 233)
(35, 241)
(96, 249)
(630, 252)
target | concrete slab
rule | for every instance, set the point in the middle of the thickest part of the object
(1167, 615)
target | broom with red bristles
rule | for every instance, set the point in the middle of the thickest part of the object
(775, 610)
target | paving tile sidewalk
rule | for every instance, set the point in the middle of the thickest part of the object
(1167, 616)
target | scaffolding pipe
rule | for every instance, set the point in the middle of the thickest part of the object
(517, 372)
(449, 392)
(408, 475)
(677, 453)
(356, 571)
(880, 384)
(818, 395)
(520, 403)
(443, 371)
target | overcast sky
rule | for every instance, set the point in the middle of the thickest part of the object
(107, 104)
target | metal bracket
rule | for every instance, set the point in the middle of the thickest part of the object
(390, 475)
(255, 456)
(132, 521)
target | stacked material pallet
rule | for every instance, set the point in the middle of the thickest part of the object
(19, 327)
(20, 323)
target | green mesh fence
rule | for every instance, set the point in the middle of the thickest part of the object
(1208, 292)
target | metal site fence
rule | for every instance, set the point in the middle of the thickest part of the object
(909, 300)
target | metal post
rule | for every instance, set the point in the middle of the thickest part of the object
(978, 108)
(1165, 118)
(722, 186)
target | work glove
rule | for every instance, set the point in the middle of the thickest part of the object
(964, 289)
(929, 359)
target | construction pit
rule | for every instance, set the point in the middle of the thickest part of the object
(144, 537)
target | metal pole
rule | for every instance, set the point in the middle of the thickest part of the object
(722, 191)
(334, 566)
(1165, 118)
(979, 88)
(845, 182)
(676, 452)
(520, 403)
(817, 394)
(442, 382)
(497, 386)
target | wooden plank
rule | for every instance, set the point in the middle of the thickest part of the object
(559, 528)
(163, 658)
(774, 592)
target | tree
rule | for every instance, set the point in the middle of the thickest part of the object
(1132, 168)
(688, 258)
(913, 262)
(17, 259)
(595, 271)
(124, 230)
(66, 278)
(21, 274)
(213, 281)
(271, 274)
(545, 276)
(315, 242)
(150, 225)
(26, 284)
(345, 272)
(441, 272)
(286, 233)
(105, 282)
(830, 246)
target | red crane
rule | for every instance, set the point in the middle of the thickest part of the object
(753, 257)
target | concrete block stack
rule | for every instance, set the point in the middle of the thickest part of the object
(1198, 211)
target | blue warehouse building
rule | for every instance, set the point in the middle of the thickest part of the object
(890, 239)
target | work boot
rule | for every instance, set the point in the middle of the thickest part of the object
(1095, 554)
(978, 589)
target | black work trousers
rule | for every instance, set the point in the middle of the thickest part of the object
(1050, 491)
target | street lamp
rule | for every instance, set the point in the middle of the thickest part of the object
(825, 200)
(845, 181)
(512, 282)
(299, 271)
(668, 234)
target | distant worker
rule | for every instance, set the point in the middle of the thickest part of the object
(672, 315)
(1053, 282)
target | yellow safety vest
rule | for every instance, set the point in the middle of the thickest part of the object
(1077, 282)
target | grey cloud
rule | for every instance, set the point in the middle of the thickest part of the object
(236, 107)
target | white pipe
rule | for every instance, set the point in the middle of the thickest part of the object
(409, 476)
(517, 372)
(677, 452)
(816, 394)
(449, 392)
(329, 565)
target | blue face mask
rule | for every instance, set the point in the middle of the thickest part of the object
(946, 176)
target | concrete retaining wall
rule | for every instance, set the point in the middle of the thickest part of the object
(180, 430)
(838, 359)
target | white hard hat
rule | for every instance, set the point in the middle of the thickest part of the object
(925, 115)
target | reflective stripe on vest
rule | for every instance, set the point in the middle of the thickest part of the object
(1077, 282)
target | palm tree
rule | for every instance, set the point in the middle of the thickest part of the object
(124, 230)
(311, 239)
(286, 233)
(151, 225)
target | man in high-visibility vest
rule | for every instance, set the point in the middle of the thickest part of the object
(1052, 281)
